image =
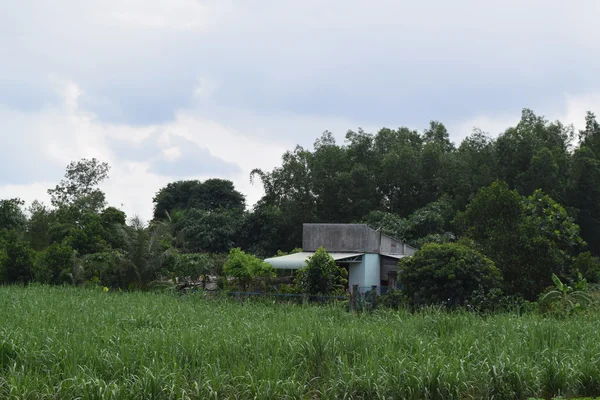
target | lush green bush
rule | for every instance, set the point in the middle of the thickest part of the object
(245, 267)
(588, 266)
(16, 258)
(321, 275)
(55, 264)
(449, 274)
(393, 299)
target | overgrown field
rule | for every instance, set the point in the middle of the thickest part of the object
(68, 343)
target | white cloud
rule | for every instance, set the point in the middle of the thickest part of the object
(248, 80)
(67, 132)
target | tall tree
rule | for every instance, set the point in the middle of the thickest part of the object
(11, 215)
(211, 194)
(80, 186)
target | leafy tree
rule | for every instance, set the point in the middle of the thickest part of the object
(212, 194)
(263, 231)
(112, 215)
(38, 226)
(209, 231)
(321, 276)
(11, 215)
(55, 264)
(590, 136)
(588, 266)
(189, 267)
(245, 267)
(527, 238)
(16, 258)
(584, 195)
(449, 274)
(80, 185)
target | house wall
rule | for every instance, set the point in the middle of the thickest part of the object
(365, 274)
(391, 246)
(340, 238)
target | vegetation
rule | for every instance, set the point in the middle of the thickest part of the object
(321, 276)
(80, 343)
(245, 267)
(497, 222)
(449, 274)
(528, 200)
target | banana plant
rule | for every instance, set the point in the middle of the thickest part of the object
(564, 296)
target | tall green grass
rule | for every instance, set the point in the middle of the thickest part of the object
(77, 343)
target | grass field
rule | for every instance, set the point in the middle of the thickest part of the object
(68, 343)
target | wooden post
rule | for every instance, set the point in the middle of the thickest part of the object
(373, 296)
(353, 296)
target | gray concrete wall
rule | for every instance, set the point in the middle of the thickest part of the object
(341, 238)
(391, 246)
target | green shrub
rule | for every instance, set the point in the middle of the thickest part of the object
(588, 266)
(55, 264)
(449, 274)
(245, 267)
(321, 276)
(393, 299)
(16, 258)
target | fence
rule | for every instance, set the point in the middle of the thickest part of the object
(359, 298)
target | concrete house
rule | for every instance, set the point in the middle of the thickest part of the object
(370, 257)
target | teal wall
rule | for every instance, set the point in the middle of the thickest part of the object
(365, 274)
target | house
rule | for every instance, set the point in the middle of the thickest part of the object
(370, 256)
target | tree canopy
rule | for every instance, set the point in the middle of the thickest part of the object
(527, 199)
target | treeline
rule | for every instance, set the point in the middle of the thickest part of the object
(528, 199)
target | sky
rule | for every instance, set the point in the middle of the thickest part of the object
(165, 90)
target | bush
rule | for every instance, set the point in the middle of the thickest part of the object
(588, 266)
(393, 299)
(321, 276)
(16, 258)
(449, 274)
(55, 264)
(245, 267)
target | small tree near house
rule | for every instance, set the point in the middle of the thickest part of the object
(245, 267)
(321, 276)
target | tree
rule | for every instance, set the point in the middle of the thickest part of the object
(16, 258)
(245, 267)
(584, 195)
(80, 185)
(189, 267)
(210, 231)
(321, 276)
(212, 194)
(449, 274)
(38, 226)
(527, 238)
(55, 264)
(11, 215)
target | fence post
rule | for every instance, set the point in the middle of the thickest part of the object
(373, 296)
(353, 297)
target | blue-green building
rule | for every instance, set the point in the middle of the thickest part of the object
(370, 256)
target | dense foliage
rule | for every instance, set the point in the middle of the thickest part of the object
(528, 199)
(449, 274)
(321, 275)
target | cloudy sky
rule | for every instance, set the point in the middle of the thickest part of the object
(189, 89)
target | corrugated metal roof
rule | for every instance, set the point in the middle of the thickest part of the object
(298, 260)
